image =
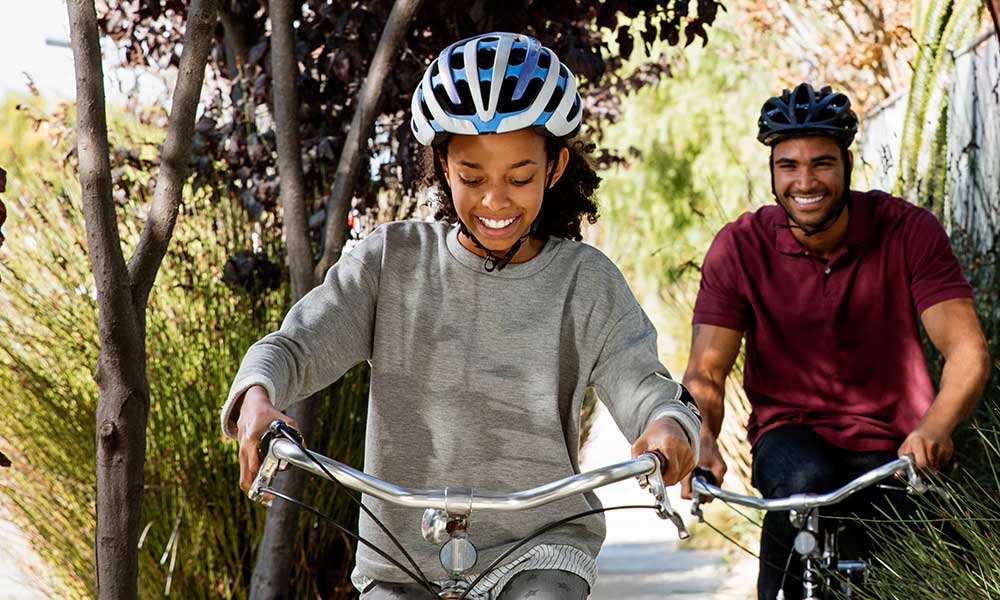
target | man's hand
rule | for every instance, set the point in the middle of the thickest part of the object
(667, 437)
(931, 447)
(255, 415)
(711, 459)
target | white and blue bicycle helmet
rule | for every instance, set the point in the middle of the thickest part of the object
(495, 83)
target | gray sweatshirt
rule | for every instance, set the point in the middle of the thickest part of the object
(477, 378)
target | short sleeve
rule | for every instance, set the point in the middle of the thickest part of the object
(721, 299)
(935, 273)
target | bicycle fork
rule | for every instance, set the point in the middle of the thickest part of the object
(819, 560)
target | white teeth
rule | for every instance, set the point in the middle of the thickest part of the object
(807, 200)
(494, 224)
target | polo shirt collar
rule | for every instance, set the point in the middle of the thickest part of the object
(860, 224)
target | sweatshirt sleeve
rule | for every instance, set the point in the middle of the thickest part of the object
(324, 334)
(635, 386)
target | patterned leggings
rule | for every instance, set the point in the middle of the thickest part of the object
(549, 584)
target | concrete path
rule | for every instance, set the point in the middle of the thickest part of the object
(20, 566)
(641, 559)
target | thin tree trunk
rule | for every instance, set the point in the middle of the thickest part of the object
(273, 569)
(994, 6)
(365, 111)
(123, 390)
(277, 548)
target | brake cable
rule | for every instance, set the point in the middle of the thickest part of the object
(422, 579)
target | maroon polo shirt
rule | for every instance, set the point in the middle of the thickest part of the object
(833, 343)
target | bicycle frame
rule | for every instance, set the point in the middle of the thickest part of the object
(446, 511)
(803, 513)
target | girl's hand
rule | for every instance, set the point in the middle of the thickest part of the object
(255, 415)
(667, 437)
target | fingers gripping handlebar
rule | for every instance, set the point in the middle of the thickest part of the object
(270, 464)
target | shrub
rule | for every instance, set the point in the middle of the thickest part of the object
(200, 532)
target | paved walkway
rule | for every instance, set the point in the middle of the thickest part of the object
(19, 565)
(640, 561)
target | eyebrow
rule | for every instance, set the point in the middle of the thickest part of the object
(820, 158)
(473, 165)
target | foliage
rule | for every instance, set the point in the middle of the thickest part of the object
(336, 43)
(692, 165)
(199, 529)
(941, 28)
(861, 47)
(953, 553)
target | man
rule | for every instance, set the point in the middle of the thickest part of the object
(827, 288)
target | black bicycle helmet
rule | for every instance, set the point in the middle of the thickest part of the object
(803, 111)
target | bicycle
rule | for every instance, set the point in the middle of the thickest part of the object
(823, 570)
(446, 518)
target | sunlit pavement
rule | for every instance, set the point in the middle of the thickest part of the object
(17, 563)
(641, 559)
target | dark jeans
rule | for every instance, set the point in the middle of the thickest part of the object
(792, 459)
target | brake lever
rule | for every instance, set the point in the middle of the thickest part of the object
(707, 477)
(269, 464)
(654, 483)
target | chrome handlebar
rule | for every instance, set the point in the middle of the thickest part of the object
(278, 452)
(901, 466)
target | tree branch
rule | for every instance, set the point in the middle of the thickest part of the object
(994, 6)
(103, 241)
(145, 262)
(285, 72)
(365, 111)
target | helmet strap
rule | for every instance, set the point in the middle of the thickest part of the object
(495, 262)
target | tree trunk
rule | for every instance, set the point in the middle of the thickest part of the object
(273, 569)
(365, 111)
(123, 390)
(994, 6)
(278, 543)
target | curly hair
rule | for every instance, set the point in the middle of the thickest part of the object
(564, 206)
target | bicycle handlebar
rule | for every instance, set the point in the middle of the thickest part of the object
(278, 452)
(902, 465)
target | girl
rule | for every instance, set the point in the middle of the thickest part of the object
(483, 330)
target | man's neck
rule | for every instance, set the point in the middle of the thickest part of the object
(825, 243)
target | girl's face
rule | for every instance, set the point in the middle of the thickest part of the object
(497, 182)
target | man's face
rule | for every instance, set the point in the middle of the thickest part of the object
(809, 178)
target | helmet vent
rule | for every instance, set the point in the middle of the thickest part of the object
(554, 101)
(507, 105)
(465, 108)
(485, 58)
(517, 56)
(573, 111)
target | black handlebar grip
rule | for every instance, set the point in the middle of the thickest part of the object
(277, 430)
(705, 474)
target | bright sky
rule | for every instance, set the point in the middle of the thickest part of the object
(25, 25)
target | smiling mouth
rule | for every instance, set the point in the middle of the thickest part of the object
(496, 225)
(806, 200)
